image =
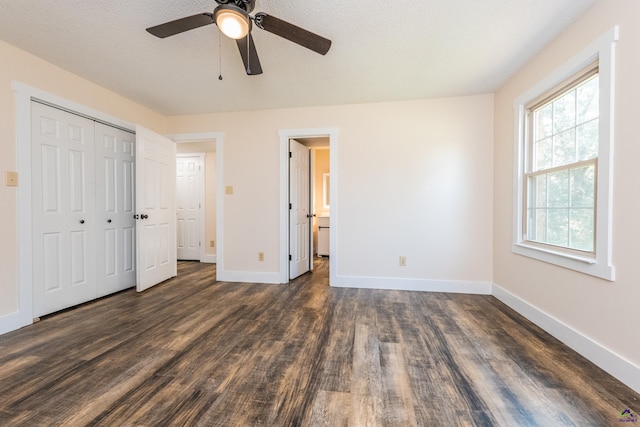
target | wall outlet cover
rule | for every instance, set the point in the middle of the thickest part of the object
(11, 179)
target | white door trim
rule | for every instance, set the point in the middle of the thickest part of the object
(23, 95)
(218, 137)
(285, 135)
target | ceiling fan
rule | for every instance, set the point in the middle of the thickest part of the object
(233, 19)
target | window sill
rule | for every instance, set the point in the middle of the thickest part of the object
(574, 262)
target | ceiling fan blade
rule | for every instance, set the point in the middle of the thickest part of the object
(181, 25)
(251, 61)
(293, 33)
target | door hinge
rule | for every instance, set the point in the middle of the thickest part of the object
(290, 257)
(290, 206)
(290, 154)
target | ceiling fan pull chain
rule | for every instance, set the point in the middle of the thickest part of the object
(248, 54)
(220, 54)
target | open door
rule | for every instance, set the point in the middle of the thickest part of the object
(156, 255)
(299, 235)
(312, 205)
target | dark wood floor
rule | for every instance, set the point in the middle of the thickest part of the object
(196, 352)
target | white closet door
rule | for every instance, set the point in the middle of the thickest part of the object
(63, 206)
(115, 208)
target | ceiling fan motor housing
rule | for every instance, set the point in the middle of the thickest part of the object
(246, 5)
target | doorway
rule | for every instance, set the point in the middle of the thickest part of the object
(309, 212)
(190, 186)
(208, 145)
(327, 137)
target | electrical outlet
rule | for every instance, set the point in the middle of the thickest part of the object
(403, 261)
(212, 244)
(11, 179)
(260, 256)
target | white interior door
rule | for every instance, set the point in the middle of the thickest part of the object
(156, 208)
(189, 205)
(299, 236)
(115, 207)
(312, 204)
(63, 209)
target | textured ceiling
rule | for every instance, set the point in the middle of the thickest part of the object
(382, 50)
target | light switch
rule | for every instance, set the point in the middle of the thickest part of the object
(228, 189)
(11, 179)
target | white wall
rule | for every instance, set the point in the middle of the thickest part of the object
(414, 179)
(18, 65)
(597, 317)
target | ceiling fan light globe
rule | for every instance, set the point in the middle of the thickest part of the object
(232, 21)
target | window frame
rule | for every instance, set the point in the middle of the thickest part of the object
(531, 170)
(599, 263)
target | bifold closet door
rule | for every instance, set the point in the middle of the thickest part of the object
(115, 209)
(63, 209)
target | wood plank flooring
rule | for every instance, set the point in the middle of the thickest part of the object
(196, 352)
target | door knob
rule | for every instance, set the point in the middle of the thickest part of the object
(82, 221)
(144, 216)
(109, 221)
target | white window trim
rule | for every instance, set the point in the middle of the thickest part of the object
(603, 50)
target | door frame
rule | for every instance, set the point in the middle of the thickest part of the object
(202, 196)
(285, 135)
(24, 94)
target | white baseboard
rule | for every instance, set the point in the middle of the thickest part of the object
(614, 364)
(12, 321)
(209, 259)
(248, 277)
(404, 284)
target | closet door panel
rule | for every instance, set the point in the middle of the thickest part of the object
(115, 209)
(63, 209)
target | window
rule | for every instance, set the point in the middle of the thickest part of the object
(562, 204)
(561, 164)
